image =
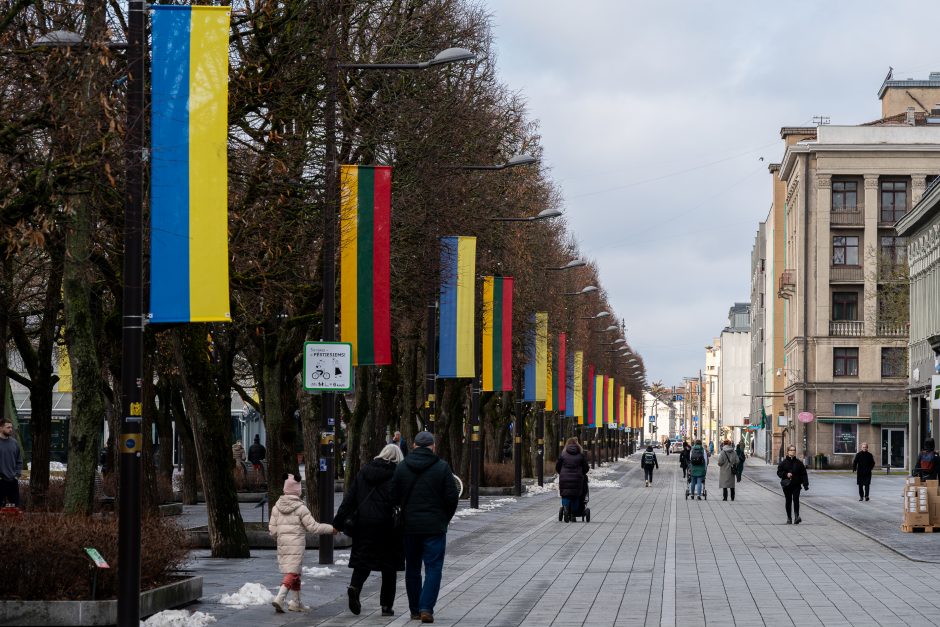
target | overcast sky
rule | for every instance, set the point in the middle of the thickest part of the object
(654, 117)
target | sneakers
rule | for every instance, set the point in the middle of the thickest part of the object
(427, 617)
(354, 605)
(278, 601)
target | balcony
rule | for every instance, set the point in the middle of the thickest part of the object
(846, 274)
(847, 218)
(786, 285)
(891, 329)
(846, 328)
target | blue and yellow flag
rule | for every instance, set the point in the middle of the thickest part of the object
(458, 275)
(189, 164)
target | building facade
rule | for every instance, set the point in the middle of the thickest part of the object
(758, 347)
(734, 374)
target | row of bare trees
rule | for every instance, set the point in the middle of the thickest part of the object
(61, 136)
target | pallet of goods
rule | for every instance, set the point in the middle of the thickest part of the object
(921, 503)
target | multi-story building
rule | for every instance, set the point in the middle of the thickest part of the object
(711, 394)
(921, 229)
(845, 344)
(734, 373)
(758, 342)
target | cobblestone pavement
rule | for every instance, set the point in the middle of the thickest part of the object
(648, 556)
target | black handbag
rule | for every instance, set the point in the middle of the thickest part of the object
(785, 483)
(352, 518)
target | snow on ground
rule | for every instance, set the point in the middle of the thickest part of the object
(53, 466)
(548, 488)
(178, 618)
(341, 559)
(484, 507)
(249, 594)
(602, 483)
(319, 571)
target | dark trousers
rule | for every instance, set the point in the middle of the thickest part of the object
(386, 594)
(648, 473)
(10, 492)
(863, 491)
(685, 472)
(724, 493)
(792, 496)
(427, 550)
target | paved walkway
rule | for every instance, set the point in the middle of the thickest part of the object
(648, 556)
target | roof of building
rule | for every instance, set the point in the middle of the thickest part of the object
(921, 118)
(797, 130)
(889, 82)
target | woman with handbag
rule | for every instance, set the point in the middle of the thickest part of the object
(367, 516)
(793, 477)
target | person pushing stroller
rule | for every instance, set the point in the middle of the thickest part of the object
(572, 468)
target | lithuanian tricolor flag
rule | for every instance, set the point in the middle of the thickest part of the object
(497, 333)
(365, 296)
(189, 164)
(458, 267)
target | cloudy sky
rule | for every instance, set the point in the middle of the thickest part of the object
(654, 117)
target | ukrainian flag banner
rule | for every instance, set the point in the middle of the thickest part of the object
(364, 253)
(578, 386)
(535, 384)
(497, 334)
(458, 269)
(189, 164)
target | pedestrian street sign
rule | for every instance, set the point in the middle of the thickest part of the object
(328, 367)
(652, 418)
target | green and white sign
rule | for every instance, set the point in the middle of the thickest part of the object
(328, 367)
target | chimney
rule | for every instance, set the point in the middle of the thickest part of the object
(909, 117)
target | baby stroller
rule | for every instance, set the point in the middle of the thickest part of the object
(585, 512)
(688, 486)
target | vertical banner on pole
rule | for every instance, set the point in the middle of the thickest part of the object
(561, 374)
(621, 408)
(570, 411)
(365, 220)
(458, 267)
(550, 402)
(577, 372)
(591, 398)
(609, 392)
(189, 164)
(497, 334)
(536, 369)
(599, 398)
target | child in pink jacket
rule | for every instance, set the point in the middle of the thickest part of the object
(290, 522)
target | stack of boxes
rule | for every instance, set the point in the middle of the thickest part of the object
(921, 503)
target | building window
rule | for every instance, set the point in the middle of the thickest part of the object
(893, 250)
(893, 362)
(845, 362)
(845, 305)
(845, 409)
(844, 196)
(845, 439)
(893, 200)
(844, 250)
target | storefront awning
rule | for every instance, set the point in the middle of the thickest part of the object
(842, 419)
(889, 414)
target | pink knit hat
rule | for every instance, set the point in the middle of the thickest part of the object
(292, 485)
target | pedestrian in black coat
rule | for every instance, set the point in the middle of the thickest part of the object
(572, 467)
(684, 459)
(863, 464)
(366, 516)
(648, 462)
(793, 477)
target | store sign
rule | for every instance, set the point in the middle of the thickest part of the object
(805, 417)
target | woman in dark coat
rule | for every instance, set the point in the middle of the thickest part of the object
(863, 464)
(366, 516)
(572, 467)
(741, 457)
(793, 477)
(684, 459)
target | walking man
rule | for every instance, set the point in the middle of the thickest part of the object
(863, 464)
(425, 489)
(11, 465)
(649, 462)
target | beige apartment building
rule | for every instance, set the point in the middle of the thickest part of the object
(844, 281)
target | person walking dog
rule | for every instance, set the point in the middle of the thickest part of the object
(425, 489)
(648, 461)
(727, 463)
(366, 515)
(862, 465)
(793, 478)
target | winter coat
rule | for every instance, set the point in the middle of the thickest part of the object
(572, 467)
(698, 471)
(238, 453)
(684, 458)
(741, 456)
(289, 525)
(727, 462)
(376, 544)
(863, 464)
(653, 463)
(256, 453)
(11, 459)
(796, 467)
(425, 488)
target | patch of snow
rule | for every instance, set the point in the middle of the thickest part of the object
(341, 562)
(53, 466)
(484, 507)
(249, 594)
(602, 483)
(178, 618)
(319, 571)
(548, 488)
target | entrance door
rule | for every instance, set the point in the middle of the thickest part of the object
(892, 448)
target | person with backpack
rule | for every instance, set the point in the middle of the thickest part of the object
(863, 464)
(684, 459)
(648, 462)
(928, 462)
(793, 477)
(727, 462)
(698, 468)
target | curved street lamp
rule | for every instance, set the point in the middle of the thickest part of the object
(542, 215)
(598, 315)
(450, 55)
(587, 289)
(574, 263)
(515, 160)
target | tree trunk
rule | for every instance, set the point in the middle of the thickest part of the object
(310, 420)
(209, 411)
(150, 497)
(356, 423)
(163, 418)
(191, 479)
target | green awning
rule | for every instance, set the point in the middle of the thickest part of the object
(851, 420)
(889, 414)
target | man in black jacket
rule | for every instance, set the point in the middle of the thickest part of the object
(425, 488)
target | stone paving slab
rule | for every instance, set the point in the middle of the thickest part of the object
(648, 556)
